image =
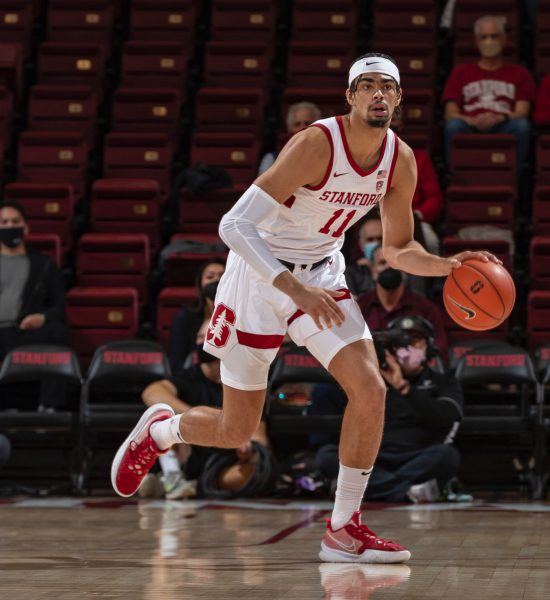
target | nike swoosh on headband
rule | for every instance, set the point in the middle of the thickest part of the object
(470, 314)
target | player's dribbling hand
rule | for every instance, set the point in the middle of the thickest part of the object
(457, 260)
(321, 306)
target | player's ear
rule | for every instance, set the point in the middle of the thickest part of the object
(399, 96)
(349, 96)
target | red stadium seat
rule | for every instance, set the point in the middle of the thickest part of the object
(331, 101)
(467, 11)
(11, 69)
(169, 20)
(180, 268)
(458, 335)
(202, 213)
(541, 210)
(543, 159)
(244, 20)
(67, 108)
(76, 20)
(114, 259)
(318, 64)
(143, 109)
(71, 63)
(236, 153)
(99, 315)
(484, 158)
(538, 319)
(49, 208)
(479, 205)
(162, 64)
(398, 19)
(334, 20)
(539, 255)
(126, 205)
(45, 243)
(6, 113)
(169, 301)
(417, 63)
(139, 156)
(53, 157)
(237, 64)
(223, 109)
(500, 248)
(16, 23)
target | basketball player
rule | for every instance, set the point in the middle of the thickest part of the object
(285, 273)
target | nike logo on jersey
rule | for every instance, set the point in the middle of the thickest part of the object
(470, 314)
(340, 174)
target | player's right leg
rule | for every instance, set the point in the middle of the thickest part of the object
(159, 429)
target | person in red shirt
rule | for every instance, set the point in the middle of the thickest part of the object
(391, 298)
(489, 96)
(541, 114)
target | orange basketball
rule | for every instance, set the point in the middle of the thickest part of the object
(479, 295)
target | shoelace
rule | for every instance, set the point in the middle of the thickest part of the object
(364, 530)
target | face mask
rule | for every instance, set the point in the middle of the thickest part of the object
(369, 248)
(209, 291)
(11, 236)
(203, 356)
(390, 279)
(410, 358)
(490, 48)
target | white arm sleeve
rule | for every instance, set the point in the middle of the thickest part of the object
(238, 229)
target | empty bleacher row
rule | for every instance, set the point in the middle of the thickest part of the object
(103, 105)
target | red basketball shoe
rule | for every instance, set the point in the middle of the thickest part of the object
(357, 543)
(138, 453)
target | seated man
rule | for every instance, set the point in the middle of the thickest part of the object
(32, 294)
(199, 385)
(489, 96)
(298, 117)
(391, 298)
(423, 411)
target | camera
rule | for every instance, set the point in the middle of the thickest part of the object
(390, 340)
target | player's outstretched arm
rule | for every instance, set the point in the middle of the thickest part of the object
(400, 249)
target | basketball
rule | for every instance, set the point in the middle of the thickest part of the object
(479, 295)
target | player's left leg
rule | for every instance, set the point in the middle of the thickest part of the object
(349, 355)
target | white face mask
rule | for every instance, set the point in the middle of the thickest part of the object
(410, 358)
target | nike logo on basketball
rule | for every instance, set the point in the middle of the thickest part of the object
(470, 314)
(340, 174)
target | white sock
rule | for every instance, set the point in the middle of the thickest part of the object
(350, 490)
(169, 463)
(166, 433)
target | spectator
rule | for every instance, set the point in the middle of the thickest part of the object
(298, 117)
(391, 298)
(187, 321)
(32, 294)
(198, 385)
(541, 114)
(489, 96)
(427, 201)
(5, 450)
(369, 235)
(423, 410)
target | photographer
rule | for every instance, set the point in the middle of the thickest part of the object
(423, 410)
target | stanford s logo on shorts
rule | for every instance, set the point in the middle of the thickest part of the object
(219, 331)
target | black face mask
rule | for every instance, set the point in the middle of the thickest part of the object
(11, 236)
(209, 291)
(203, 356)
(390, 279)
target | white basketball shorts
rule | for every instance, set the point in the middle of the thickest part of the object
(251, 318)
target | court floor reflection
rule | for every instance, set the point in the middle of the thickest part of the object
(358, 582)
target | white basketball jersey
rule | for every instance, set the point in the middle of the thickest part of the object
(311, 223)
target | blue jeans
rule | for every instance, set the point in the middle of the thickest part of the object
(520, 128)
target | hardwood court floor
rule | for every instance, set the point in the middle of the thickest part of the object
(71, 549)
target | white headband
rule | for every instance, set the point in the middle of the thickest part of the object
(373, 64)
